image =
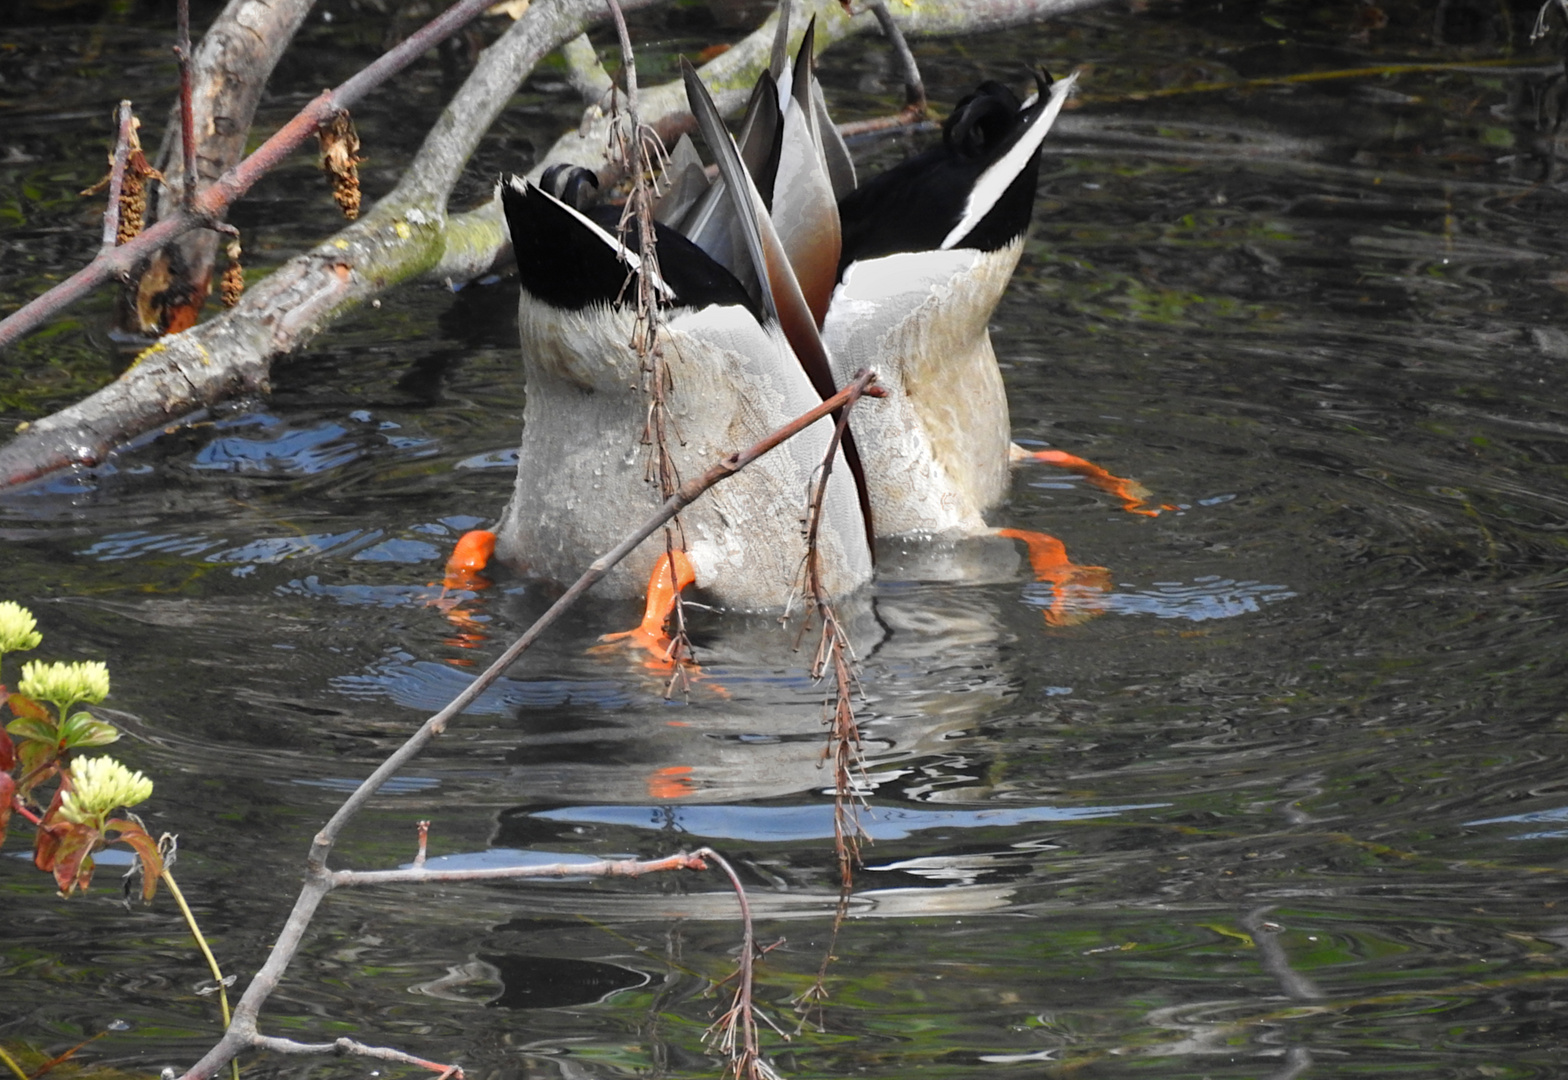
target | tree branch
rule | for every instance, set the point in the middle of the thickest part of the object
(406, 235)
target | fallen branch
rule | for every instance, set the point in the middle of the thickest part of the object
(405, 236)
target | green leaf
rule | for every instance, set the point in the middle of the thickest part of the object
(31, 728)
(83, 730)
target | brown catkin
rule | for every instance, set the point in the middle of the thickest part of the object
(340, 160)
(233, 284)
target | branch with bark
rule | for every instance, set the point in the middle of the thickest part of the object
(408, 235)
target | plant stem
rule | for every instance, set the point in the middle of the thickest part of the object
(11, 1064)
(212, 961)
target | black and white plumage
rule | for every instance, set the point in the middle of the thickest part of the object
(779, 279)
(581, 482)
(928, 249)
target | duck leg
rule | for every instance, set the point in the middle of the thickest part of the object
(1134, 496)
(672, 573)
(1074, 588)
(468, 559)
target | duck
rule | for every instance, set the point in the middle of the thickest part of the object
(744, 357)
(780, 279)
(928, 249)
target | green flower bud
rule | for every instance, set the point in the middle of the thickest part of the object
(65, 684)
(18, 628)
(99, 785)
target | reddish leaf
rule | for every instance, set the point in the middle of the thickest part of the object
(73, 856)
(146, 849)
(51, 815)
(26, 706)
(7, 794)
(45, 846)
(7, 752)
(38, 764)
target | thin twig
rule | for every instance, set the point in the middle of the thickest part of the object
(817, 993)
(602, 868)
(117, 163)
(212, 961)
(647, 327)
(914, 87)
(182, 51)
(835, 653)
(357, 1049)
(319, 880)
(11, 1064)
(683, 497)
(735, 1031)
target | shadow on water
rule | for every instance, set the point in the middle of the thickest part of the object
(1279, 793)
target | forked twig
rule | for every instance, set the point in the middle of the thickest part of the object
(734, 1033)
(346, 1046)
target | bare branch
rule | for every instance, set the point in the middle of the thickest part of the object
(356, 1049)
(735, 1031)
(603, 868)
(914, 87)
(319, 880)
(406, 235)
(182, 51)
(117, 162)
(584, 71)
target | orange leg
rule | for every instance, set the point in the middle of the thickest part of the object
(1074, 588)
(469, 557)
(1133, 495)
(672, 573)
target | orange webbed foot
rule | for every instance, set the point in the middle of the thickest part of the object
(672, 573)
(1133, 495)
(1075, 589)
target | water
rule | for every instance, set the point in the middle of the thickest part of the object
(1287, 800)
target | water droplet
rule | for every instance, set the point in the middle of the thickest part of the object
(118, 1025)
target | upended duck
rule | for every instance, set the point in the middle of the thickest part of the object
(771, 303)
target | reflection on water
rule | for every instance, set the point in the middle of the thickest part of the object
(1268, 784)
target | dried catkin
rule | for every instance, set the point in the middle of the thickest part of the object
(340, 160)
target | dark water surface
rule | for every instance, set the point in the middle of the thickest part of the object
(1290, 798)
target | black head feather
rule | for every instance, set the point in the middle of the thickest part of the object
(563, 263)
(913, 206)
